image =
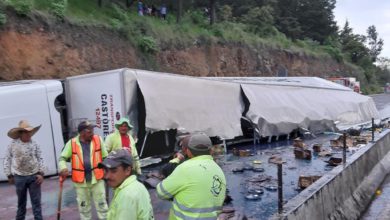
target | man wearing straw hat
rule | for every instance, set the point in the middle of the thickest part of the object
(24, 167)
(122, 138)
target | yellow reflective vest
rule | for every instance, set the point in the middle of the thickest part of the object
(131, 201)
(197, 187)
(114, 142)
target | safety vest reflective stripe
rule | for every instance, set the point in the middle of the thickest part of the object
(78, 169)
(165, 194)
(197, 210)
(185, 217)
(97, 158)
(77, 164)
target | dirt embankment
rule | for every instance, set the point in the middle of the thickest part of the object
(38, 48)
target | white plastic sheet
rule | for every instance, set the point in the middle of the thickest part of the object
(279, 105)
(191, 104)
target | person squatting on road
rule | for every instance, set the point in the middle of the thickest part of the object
(122, 138)
(131, 198)
(85, 152)
(198, 185)
(24, 167)
(179, 156)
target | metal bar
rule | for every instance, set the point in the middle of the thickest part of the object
(224, 146)
(280, 188)
(254, 138)
(344, 148)
(143, 144)
(372, 130)
(61, 179)
(166, 138)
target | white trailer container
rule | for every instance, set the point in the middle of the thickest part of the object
(157, 104)
(35, 102)
(97, 97)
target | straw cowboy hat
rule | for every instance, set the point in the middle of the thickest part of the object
(14, 133)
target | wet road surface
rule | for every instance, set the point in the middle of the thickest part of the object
(267, 205)
(238, 183)
(50, 190)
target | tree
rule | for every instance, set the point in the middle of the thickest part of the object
(287, 18)
(179, 10)
(346, 34)
(129, 3)
(241, 8)
(225, 13)
(375, 45)
(260, 21)
(316, 19)
(212, 11)
(384, 69)
(306, 19)
(353, 44)
(384, 63)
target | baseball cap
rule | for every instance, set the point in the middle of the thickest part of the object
(199, 142)
(84, 125)
(116, 158)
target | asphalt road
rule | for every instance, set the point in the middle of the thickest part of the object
(50, 190)
(237, 183)
(379, 208)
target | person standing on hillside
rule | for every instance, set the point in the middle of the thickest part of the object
(163, 11)
(154, 11)
(85, 152)
(122, 138)
(140, 8)
(131, 198)
(24, 167)
(198, 185)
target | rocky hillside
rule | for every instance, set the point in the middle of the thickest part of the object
(35, 47)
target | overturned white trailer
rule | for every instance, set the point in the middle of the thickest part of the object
(35, 102)
(278, 105)
(160, 103)
(156, 103)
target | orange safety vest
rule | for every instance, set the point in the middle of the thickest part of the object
(78, 174)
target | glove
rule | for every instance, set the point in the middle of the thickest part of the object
(64, 173)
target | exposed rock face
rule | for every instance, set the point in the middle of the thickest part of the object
(37, 48)
(239, 60)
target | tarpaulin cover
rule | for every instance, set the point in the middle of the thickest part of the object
(279, 105)
(191, 104)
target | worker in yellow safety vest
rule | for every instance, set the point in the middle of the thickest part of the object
(198, 185)
(85, 152)
(122, 138)
(131, 198)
